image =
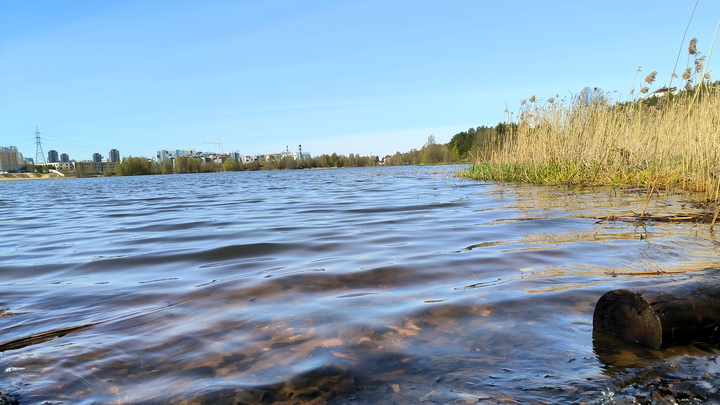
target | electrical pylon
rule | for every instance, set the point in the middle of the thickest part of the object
(39, 154)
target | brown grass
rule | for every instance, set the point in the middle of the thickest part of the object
(674, 144)
(667, 142)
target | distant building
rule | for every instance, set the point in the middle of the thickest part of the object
(661, 92)
(10, 159)
(286, 152)
(237, 156)
(96, 167)
(64, 157)
(97, 158)
(114, 156)
(162, 155)
(53, 156)
(296, 155)
(253, 158)
(271, 157)
(214, 157)
(63, 165)
(300, 155)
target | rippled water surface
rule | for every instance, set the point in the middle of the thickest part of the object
(380, 285)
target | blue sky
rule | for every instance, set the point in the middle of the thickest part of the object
(365, 77)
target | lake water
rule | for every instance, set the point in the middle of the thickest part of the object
(351, 286)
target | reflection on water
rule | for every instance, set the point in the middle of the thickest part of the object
(358, 286)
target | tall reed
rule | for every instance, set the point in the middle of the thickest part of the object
(668, 141)
(674, 143)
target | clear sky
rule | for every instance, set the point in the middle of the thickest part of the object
(364, 77)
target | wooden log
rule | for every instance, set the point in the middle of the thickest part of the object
(661, 316)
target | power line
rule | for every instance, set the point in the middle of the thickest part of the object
(69, 145)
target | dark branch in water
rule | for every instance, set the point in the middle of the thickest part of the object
(42, 337)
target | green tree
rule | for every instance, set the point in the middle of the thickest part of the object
(456, 156)
(288, 163)
(432, 152)
(303, 163)
(181, 164)
(194, 165)
(210, 166)
(79, 170)
(335, 160)
(166, 167)
(134, 166)
(230, 165)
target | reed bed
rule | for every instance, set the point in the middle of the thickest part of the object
(663, 141)
(670, 142)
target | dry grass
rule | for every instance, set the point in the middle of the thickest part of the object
(668, 142)
(664, 143)
(674, 144)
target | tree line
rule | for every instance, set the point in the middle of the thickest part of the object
(131, 166)
(464, 147)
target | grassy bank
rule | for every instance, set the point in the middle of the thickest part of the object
(666, 142)
(669, 140)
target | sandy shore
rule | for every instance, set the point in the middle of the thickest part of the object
(28, 176)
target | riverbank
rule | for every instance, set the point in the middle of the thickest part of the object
(658, 143)
(28, 176)
(665, 140)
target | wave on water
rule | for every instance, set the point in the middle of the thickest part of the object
(376, 285)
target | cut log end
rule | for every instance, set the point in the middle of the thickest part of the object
(628, 315)
(662, 315)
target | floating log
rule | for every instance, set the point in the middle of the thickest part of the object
(661, 316)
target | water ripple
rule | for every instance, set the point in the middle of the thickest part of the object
(376, 285)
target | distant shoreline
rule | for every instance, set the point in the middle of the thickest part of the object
(28, 176)
(44, 176)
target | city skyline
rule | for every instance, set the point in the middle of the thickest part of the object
(369, 78)
(54, 156)
(113, 155)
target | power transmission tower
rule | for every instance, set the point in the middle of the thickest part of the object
(39, 154)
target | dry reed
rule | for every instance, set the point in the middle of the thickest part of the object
(663, 141)
(674, 144)
(651, 78)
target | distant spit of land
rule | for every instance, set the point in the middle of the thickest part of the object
(28, 176)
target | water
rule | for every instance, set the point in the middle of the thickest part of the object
(378, 285)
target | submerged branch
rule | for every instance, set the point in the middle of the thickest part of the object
(704, 218)
(43, 337)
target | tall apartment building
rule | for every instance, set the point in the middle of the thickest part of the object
(10, 159)
(97, 158)
(237, 156)
(114, 156)
(53, 156)
(64, 157)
